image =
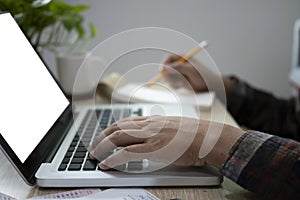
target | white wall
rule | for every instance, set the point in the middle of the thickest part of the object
(251, 39)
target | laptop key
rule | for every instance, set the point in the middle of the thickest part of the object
(81, 144)
(71, 148)
(76, 138)
(98, 113)
(90, 165)
(62, 167)
(74, 167)
(139, 112)
(68, 154)
(79, 154)
(135, 165)
(77, 160)
(73, 144)
(66, 160)
(81, 149)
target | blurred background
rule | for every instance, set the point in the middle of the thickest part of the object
(251, 39)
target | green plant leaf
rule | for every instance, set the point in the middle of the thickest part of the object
(93, 30)
(60, 6)
(80, 31)
(80, 8)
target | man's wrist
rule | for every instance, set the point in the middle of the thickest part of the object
(224, 144)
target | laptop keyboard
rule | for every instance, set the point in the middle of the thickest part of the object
(77, 157)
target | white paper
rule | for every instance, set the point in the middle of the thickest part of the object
(135, 93)
(86, 194)
(69, 194)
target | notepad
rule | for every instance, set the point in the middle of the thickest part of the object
(87, 194)
(121, 90)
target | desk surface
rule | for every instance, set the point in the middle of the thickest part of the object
(12, 184)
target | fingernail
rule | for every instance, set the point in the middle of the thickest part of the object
(103, 166)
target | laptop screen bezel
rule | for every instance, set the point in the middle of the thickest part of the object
(54, 136)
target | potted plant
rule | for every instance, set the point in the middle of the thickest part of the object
(49, 24)
(56, 26)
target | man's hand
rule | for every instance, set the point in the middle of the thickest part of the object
(193, 75)
(185, 74)
(173, 140)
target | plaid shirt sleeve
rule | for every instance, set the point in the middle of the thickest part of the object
(265, 164)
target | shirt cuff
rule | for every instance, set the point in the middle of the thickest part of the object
(242, 152)
(264, 164)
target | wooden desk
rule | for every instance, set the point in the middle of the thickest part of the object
(12, 184)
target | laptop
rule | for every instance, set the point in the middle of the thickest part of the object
(45, 140)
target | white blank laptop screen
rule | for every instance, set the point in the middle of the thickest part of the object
(30, 99)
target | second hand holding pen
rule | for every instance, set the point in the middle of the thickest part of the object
(183, 59)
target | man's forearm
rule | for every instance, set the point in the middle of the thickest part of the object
(259, 110)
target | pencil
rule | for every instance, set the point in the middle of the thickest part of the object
(183, 59)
